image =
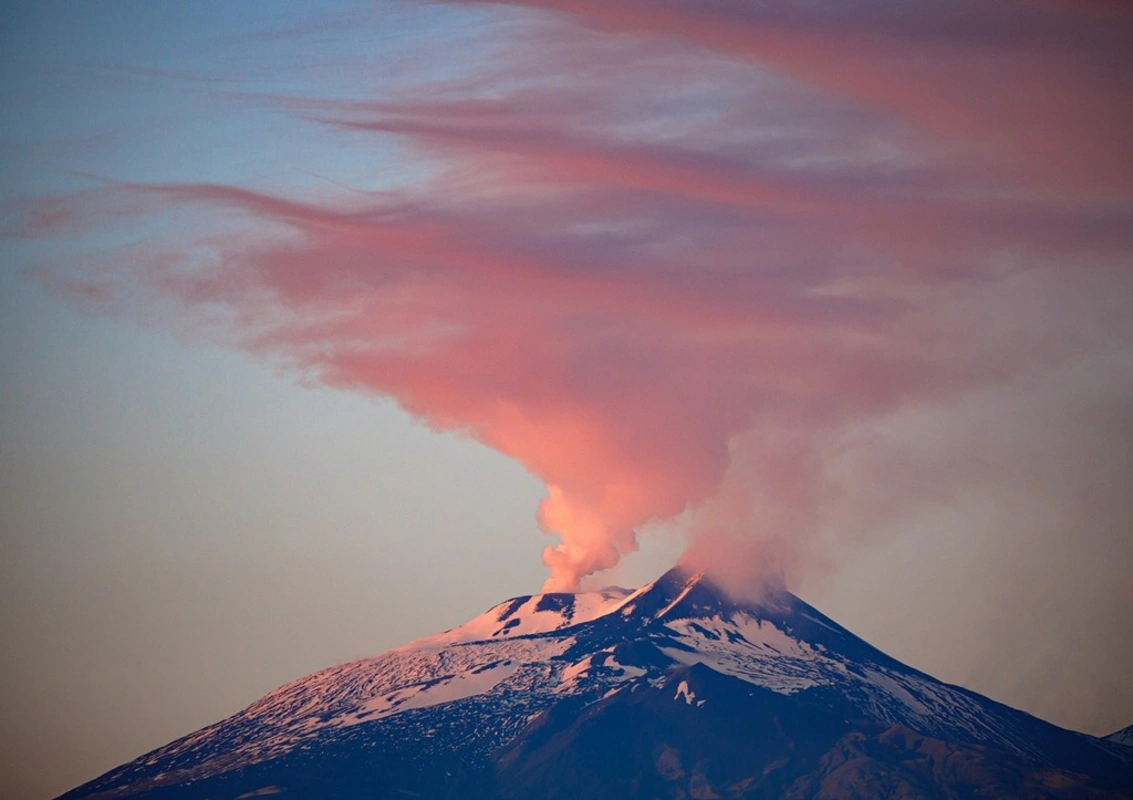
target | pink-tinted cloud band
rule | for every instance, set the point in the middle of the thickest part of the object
(678, 256)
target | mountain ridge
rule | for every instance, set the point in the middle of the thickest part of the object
(470, 709)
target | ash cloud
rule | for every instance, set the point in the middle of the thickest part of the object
(720, 260)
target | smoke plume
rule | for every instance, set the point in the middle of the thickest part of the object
(734, 261)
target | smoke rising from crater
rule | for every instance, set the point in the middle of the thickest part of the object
(715, 260)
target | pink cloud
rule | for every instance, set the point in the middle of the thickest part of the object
(1043, 89)
(687, 295)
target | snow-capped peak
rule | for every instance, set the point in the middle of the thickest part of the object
(479, 685)
(527, 615)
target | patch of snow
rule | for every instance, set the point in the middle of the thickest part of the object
(589, 606)
(599, 666)
(777, 680)
(763, 634)
(445, 690)
(753, 650)
(628, 670)
(577, 670)
(891, 686)
(692, 581)
(509, 620)
(688, 694)
(819, 622)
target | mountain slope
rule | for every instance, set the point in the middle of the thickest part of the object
(1123, 736)
(673, 690)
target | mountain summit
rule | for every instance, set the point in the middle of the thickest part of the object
(675, 690)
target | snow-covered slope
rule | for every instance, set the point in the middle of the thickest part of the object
(1123, 736)
(522, 616)
(466, 693)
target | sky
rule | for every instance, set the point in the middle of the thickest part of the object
(325, 326)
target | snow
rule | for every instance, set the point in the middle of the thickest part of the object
(575, 671)
(750, 649)
(574, 675)
(766, 636)
(455, 687)
(684, 691)
(516, 653)
(779, 681)
(625, 605)
(891, 686)
(1123, 736)
(682, 595)
(589, 606)
(523, 617)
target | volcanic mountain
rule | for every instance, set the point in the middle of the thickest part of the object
(676, 690)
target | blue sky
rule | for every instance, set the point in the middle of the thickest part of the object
(154, 488)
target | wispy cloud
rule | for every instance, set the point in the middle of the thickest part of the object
(684, 256)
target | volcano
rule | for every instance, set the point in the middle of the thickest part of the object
(676, 690)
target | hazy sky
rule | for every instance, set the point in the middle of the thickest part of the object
(320, 321)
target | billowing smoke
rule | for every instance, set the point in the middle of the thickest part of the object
(736, 261)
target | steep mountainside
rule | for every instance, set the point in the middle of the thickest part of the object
(1123, 736)
(675, 690)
